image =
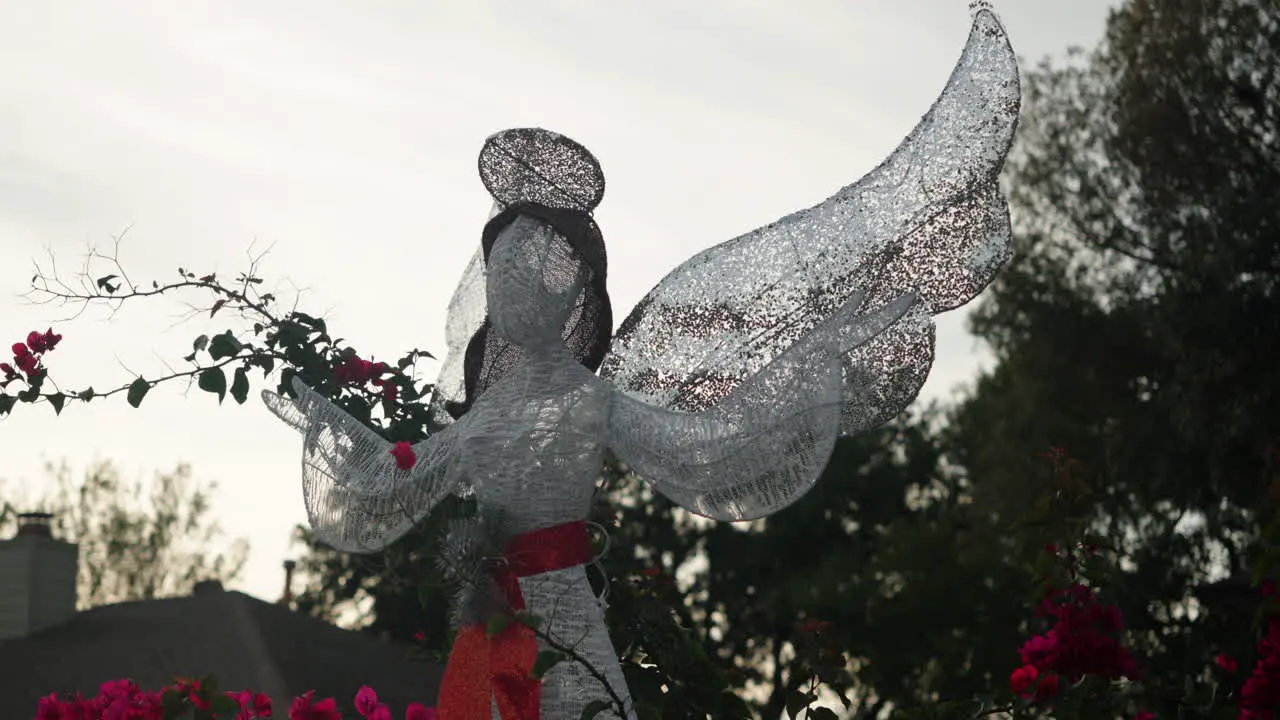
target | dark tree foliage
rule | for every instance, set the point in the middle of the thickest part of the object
(1138, 325)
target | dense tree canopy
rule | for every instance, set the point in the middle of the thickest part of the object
(1138, 324)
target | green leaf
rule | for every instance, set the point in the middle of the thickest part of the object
(172, 702)
(733, 707)
(266, 362)
(799, 701)
(529, 620)
(224, 345)
(240, 386)
(215, 381)
(137, 391)
(497, 624)
(822, 713)
(86, 395)
(223, 705)
(200, 343)
(56, 400)
(645, 685)
(594, 708)
(6, 403)
(286, 383)
(104, 284)
(313, 322)
(547, 659)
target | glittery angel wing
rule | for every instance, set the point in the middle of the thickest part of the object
(929, 220)
(357, 499)
(763, 445)
(466, 314)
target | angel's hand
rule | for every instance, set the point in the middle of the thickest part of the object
(358, 498)
(299, 414)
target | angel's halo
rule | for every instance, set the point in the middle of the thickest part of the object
(537, 165)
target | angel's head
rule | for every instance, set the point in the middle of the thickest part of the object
(544, 257)
(536, 284)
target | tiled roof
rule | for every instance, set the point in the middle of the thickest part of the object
(245, 642)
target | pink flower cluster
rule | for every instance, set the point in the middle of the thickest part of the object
(358, 372)
(124, 700)
(26, 356)
(1084, 640)
(369, 708)
(1260, 695)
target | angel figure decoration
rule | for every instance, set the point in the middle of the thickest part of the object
(724, 389)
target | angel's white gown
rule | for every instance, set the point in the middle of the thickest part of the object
(815, 326)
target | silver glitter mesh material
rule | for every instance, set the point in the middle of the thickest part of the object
(357, 500)
(725, 388)
(467, 310)
(565, 175)
(929, 219)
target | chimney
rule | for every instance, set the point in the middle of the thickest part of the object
(37, 578)
(287, 598)
(207, 587)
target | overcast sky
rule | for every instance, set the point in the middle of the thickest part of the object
(345, 135)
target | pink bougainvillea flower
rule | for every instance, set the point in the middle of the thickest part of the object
(49, 708)
(1260, 695)
(1145, 715)
(354, 371)
(117, 710)
(1226, 662)
(366, 700)
(262, 705)
(304, 708)
(28, 364)
(418, 711)
(1084, 640)
(20, 350)
(1048, 687)
(251, 704)
(124, 700)
(42, 341)
(404, 455)
(1022, 678)
(35, 341)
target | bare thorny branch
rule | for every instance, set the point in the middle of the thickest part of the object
(102, 280)
(50, 288)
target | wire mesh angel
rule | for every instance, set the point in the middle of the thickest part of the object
(724, 389)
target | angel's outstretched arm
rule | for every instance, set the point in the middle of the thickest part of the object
(357, 499)
(766, 443)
